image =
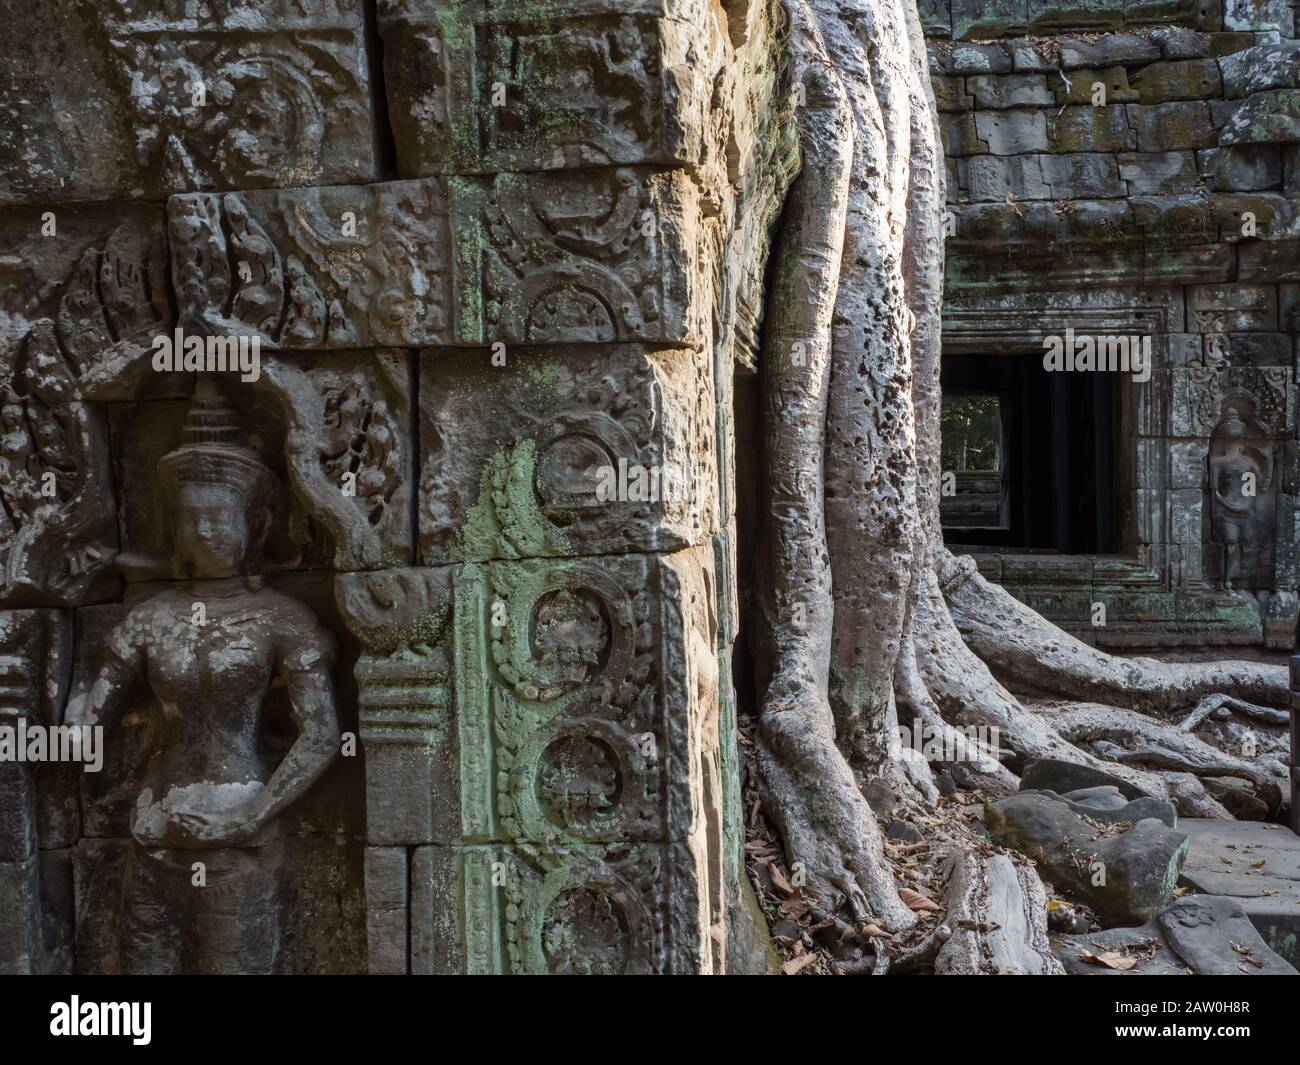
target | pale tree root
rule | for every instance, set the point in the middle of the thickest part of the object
(1133, 739)
(995, 919)
(833, 844)
(1023, 646)
(832, 841)
(966, 693)
(992, 906)
(850, 431)
(973, 766)
(1221, 705)
(1261, 733)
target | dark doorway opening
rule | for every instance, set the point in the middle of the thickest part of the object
(1039, 455)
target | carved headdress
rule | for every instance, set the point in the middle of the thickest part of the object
(211, 452)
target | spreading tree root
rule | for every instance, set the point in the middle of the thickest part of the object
(830, 834)
(992, 907)
(1021, 645)
(807, 785)
(1129, 738)
(974, 625)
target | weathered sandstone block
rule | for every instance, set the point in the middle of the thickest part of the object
(567, 452)
(586, 256)
(484, 87)
(175, 96)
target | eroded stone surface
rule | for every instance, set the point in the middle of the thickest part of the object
(575, 454)
(141, 99)
(491, 87)
(587, 257)
(1197, 935)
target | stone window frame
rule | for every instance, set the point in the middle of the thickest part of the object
(1064, 585)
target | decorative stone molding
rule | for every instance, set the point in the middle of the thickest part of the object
(402, 619)
(594, 256)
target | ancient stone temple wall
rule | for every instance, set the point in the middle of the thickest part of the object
(1132, 170)
(447, 561)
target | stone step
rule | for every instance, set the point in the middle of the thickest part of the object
(1220, 861)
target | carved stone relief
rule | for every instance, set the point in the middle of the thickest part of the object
(405, 637)
(548, 730)
(1242, 483)
(336, 429)
(227, 94)
(581, 85)
(578, 454)
(244, 719)
(597, 705)
(85, 293)
(530, 258)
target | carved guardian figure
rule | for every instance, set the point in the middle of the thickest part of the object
(205, 889)
(1239, 474)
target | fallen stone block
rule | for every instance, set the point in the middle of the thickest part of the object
(1107, 805)
(1213, 935)
(1198, 935)
(1124, 876)
(1054, 774)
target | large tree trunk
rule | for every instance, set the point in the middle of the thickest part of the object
(807, 783)
(863, 610)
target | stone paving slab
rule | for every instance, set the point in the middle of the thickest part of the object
(1223, 859)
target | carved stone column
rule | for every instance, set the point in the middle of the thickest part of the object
(569, 480)
(405, 713)
(590, 782)
(560, 812)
